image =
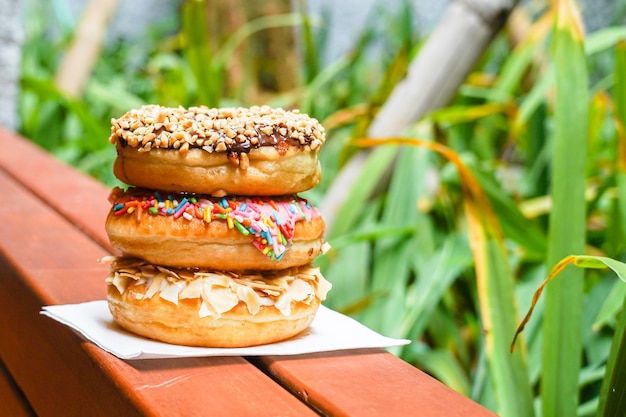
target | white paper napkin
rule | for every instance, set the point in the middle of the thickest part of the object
(329, 331)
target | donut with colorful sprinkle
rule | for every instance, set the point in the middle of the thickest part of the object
(233, 233)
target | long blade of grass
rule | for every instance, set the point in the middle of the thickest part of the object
(394, 254)
(312, 62)
(509, 375)
(562, 342)
(460, 114)
(619, 118)
(350, 294)
(375, 166)
(594, 43)
(612, 393)
(582, 261)
(603, 39)
(517, 63)
(496, 287)
(612, 401)
(437, 276)
(516, 226)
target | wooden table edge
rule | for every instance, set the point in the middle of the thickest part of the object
(288, 371)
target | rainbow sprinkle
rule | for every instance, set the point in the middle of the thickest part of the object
(269, 220)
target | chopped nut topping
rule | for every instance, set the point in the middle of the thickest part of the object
(244, 161)
(221, 147)
(268, 130)
(215, 130)
(219, 193)
(233, 158)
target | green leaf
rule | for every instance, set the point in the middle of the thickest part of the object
(348, 267)
(611, 306)
(508, 372)
(612, 399)
(562, 341)
(598, 262)
(460, 114)
(375, 167)
(604, 39)
(613, 392)
(612, 402)
(391, 271)
(434, 278)
(515, 225)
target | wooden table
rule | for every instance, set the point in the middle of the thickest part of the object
(51, 236)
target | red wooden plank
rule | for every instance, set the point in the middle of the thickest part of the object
(13, 403)
(44, 259)
(325, 381)
(368, 382)
(75, 195)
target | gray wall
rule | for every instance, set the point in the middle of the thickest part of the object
(346, 18)
(11, 37)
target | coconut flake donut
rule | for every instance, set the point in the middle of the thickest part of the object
(197, 307)
(228, 233)
(240, 151)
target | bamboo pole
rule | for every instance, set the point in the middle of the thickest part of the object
(434, 76)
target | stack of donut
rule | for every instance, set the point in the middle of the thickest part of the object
(215, 244)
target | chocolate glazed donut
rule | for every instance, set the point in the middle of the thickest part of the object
(257, 151)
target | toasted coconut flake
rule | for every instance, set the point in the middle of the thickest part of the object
(250, 297)
(219, 291)
(299, 290)
(283, 304)
(154, 286)
(193, 289)
(171, 291)
(220, 298)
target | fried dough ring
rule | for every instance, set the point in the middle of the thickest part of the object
(177, 242)
(179, 324)
(244, 151)
(267, 173)
(197, 307)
